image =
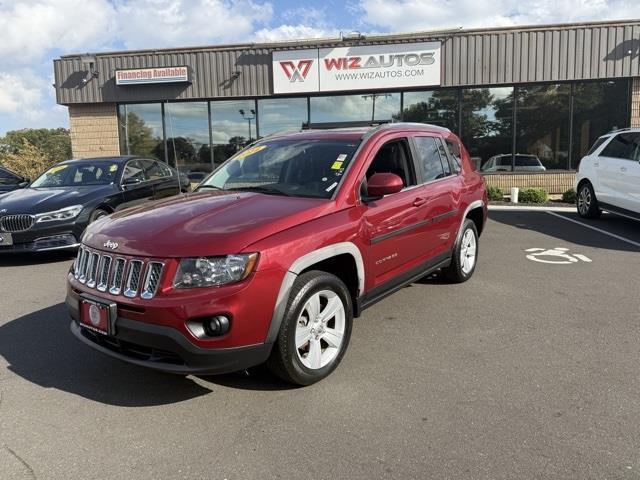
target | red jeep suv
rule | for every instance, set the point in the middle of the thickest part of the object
(276, 252)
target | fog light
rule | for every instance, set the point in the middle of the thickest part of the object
(215, 326)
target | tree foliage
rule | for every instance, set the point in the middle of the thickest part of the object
(29, 152)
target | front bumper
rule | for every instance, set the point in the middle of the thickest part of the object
(44, 238)
(167, 350)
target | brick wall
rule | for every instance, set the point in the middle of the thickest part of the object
(94, 130)
(552, 182)
(635, 103)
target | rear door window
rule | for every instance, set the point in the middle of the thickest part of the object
(625, 146)
(430, 158)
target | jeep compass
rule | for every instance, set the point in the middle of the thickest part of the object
(277, 251)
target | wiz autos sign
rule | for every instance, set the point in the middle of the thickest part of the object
(139, 76)
(356, 68)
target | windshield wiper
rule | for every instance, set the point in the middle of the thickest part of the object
(263, 189)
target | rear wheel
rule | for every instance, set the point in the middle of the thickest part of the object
(586, 202)
(315, 331)
(465, 254)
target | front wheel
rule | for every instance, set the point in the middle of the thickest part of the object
(465, 254)
(586, 202)
(315, 331)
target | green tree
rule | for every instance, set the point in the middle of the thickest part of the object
(31, 151)
(140, 139)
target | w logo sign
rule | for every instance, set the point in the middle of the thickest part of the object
(296, 72)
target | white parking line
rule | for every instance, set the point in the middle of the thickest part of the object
(618, 237)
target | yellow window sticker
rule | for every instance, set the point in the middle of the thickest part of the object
(113, 168)
(336, 165)
(56, 169)
(250, 151)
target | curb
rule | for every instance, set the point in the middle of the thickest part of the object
(530, 208)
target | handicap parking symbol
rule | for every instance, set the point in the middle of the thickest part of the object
(557, 256)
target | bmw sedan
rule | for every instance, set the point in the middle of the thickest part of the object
(54, 210)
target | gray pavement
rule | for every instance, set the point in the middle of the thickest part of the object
(529, 370)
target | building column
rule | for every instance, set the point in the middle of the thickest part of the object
(635, 102)
(94, 130)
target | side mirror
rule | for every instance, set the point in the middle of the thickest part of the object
(381, 184)
(25, 183)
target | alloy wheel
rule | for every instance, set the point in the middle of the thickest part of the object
(468, 251)
(320, 329)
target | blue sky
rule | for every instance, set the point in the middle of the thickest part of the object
(33, 33)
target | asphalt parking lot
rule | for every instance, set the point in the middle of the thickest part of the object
(529, 370)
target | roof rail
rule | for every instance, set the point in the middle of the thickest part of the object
(626, 129)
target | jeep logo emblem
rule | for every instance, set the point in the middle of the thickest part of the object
(110, 244)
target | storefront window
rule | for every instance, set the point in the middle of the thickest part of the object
(141, 129)
(187, 132)
(542, 125)
(278, 114)
(598, 107)
(369, 107)
(437, 107)
(487, 126)
(233, 125)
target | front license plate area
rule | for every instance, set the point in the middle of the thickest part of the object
(6, 240)
(98, 316)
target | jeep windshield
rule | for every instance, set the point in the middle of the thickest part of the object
(297, 168)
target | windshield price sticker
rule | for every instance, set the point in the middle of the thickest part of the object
(250, 151)
(56, 169)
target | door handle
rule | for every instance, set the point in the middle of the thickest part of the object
(419, 201)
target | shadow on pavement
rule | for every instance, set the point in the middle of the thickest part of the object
(40, 348)
(25, 259)
(542, 222)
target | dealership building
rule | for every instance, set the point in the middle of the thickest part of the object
(527, 102)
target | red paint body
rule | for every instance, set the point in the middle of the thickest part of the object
(282, 229)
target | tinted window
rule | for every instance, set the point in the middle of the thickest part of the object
(443, 157)
(78, 174)
(527, 161)
(394, 158)
(134, 170)
(623, 145)
(429, 157)
(300, 168)
(155, 170)
(454, 150)
(597, 144)
(7, 178)
(504, 161)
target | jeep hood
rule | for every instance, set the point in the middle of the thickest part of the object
(202, 223)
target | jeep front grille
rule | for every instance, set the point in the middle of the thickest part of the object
(132, 277)
(16, 223)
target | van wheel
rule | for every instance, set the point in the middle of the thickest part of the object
(586, 202)
(465, 254)
(315, 331)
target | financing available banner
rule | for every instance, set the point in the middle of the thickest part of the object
(137, 76)
(357, 68)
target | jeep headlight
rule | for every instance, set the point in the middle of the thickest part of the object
(67, 213)
(213, 271)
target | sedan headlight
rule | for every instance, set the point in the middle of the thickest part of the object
(212, 271)
(63, 214)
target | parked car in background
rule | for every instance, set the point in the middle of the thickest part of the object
(54, 210)
(608, 177)
(276, 252)
(523, 163)
(11, 181)
(196, 177)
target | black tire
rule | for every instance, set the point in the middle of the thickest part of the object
(285, 360)
(456, 271)
(586, 202)
(97, 213)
